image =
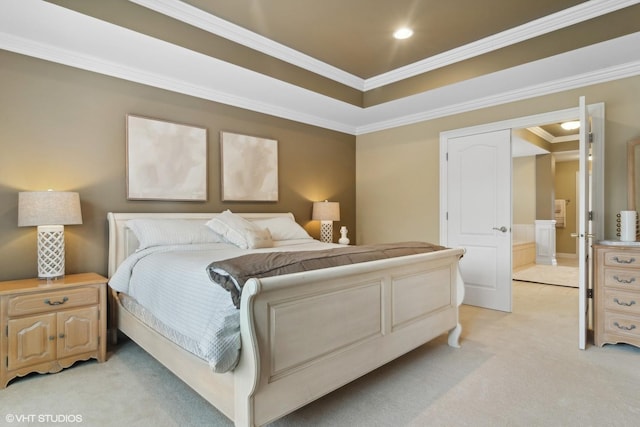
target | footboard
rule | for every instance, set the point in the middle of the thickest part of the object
(306, 334)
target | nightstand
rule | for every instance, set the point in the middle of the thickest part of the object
(48, 326)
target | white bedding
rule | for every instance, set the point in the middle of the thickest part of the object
(172, 284)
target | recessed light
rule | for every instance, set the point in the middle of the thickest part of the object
(570, 125)
(403, 33)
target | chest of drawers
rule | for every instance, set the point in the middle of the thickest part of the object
(617, 294)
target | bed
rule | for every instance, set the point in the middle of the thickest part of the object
(303, 335)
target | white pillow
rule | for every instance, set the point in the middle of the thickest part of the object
(283, 228)
(156, 232)
(240, 231)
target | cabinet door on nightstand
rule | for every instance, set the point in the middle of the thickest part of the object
(77, 331)
(31, 340)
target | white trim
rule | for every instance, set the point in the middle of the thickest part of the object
(565, 18)
(596, 111)
(205, 21)
(212, 24)
(546, 88)
(39, 29)
(537, 130)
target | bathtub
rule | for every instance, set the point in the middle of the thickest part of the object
(523, 245)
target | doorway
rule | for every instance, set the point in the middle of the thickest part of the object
(592, 113)
(545, 164)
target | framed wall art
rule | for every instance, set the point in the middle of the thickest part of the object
(249, 168)
(165, 160)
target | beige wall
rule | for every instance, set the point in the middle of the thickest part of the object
(545, 196)
(524, 190)
(397, 169)
(64, 128)
(565, 188)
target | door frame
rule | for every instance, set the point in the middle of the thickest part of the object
(596, 112)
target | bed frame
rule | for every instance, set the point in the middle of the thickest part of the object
(304, 335)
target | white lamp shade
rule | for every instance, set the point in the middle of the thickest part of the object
(326, 211)
(50, 211)
(48, 208)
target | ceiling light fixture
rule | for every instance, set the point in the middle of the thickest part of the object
(403, 33)
(570, 125)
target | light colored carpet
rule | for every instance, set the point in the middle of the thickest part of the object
(513, 369)
(548, 274)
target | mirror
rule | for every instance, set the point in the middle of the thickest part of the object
(633, 174)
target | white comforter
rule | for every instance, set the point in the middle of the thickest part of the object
(171, 283)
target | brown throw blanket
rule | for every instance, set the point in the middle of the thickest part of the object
(229, 272)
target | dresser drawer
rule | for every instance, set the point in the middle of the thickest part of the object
(619, 324)
(627, 302)
(621, 278)
(43, 302)
(622, 259)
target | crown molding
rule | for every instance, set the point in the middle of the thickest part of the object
(214, 25)
(537, 130)
(191, 15)
(159, 80)
(38, 29)
(526, 92)
(566, 138)
(565, 18)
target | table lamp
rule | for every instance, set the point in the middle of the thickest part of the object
(326, 212)
(50, 211)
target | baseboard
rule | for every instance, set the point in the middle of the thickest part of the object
(574, 256)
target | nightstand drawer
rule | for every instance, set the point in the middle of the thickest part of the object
(627, 302)
(620, 324)
(622, 259)
(52, 301)
(620, 278)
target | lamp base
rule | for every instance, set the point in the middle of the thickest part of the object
(50, 251)
(326, 231)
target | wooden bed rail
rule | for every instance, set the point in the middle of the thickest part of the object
(306, 334)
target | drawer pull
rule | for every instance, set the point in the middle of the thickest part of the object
(626, 281)
(626, 304)
(624, 328)
(51, 337)
(49, 302)
(61, 335)
(623, 261)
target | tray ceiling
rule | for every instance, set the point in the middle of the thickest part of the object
(356, 35)
(333, 63)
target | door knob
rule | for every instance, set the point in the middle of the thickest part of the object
(503, 229)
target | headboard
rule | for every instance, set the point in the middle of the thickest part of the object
(122, 242)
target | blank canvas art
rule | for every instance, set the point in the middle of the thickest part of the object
(165, 160)
(249, 168)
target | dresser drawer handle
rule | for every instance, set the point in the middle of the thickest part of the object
(624, 328)
(626, 281)
(624, 261)
(49, 302)
(626, 304)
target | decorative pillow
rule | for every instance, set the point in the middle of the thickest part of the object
(283, 228)
(260, 238)
(240, 231)
(156, 232)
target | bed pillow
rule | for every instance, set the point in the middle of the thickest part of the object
(240, 231)
(283, 228)
(156, 232)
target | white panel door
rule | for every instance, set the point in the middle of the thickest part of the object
(479, 215)
(584, 236)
